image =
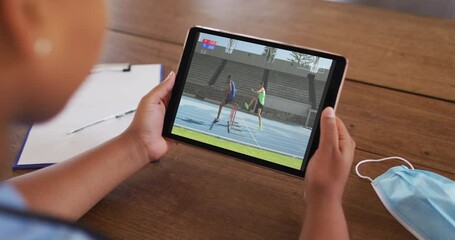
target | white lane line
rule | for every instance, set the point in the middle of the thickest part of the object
(250, 133)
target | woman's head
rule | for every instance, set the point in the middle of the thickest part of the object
(47, 47)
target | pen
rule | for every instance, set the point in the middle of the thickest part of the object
(116, 116)
(125, 113)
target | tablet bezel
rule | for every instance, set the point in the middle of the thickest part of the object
(329, 97)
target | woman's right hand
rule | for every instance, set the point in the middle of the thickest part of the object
(328, 169)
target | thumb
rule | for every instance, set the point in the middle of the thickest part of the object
(329, 133)
(160, 92)
(169, 81)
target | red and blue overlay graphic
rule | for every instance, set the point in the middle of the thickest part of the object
(208, 44)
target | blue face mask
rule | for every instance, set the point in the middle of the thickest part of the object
(422, 201)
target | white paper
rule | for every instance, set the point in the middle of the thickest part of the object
(102, 94)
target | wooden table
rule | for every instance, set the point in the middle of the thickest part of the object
(398, 100)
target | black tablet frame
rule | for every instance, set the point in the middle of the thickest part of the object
(329, 97)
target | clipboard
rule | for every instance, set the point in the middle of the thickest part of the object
(108, 90)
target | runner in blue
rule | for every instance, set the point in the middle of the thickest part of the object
(230, 92)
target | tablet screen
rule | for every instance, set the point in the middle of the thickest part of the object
(257, 100)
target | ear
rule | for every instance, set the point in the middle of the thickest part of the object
(22, 24)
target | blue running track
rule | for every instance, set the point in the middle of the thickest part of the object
(285, 138)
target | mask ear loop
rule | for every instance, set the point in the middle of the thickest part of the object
(378, 160)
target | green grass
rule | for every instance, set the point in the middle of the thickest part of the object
(281, 159)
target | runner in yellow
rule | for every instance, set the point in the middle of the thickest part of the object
(260, 100)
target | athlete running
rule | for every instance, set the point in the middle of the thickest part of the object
(260, 100)
(230, 92)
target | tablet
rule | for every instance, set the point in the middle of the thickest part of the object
(252, 99)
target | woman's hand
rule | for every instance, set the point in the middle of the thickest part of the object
(329, 167)
(326, 176)
(147, 126)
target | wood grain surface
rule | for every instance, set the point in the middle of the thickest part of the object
(385, 48)
(398, 100)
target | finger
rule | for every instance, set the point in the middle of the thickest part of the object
(160, 92)
(329, 133)
(168, 96)
(345, 139)
(170, 80)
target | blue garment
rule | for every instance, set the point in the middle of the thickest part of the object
(20, 227)
(231, 95)
(422, 201)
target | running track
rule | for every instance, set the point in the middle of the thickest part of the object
(286, 138)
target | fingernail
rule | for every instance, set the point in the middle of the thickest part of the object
(329, 112)
(171, 74)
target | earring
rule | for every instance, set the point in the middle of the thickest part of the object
(43, 47)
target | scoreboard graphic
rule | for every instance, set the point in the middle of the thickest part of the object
(208, 44)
